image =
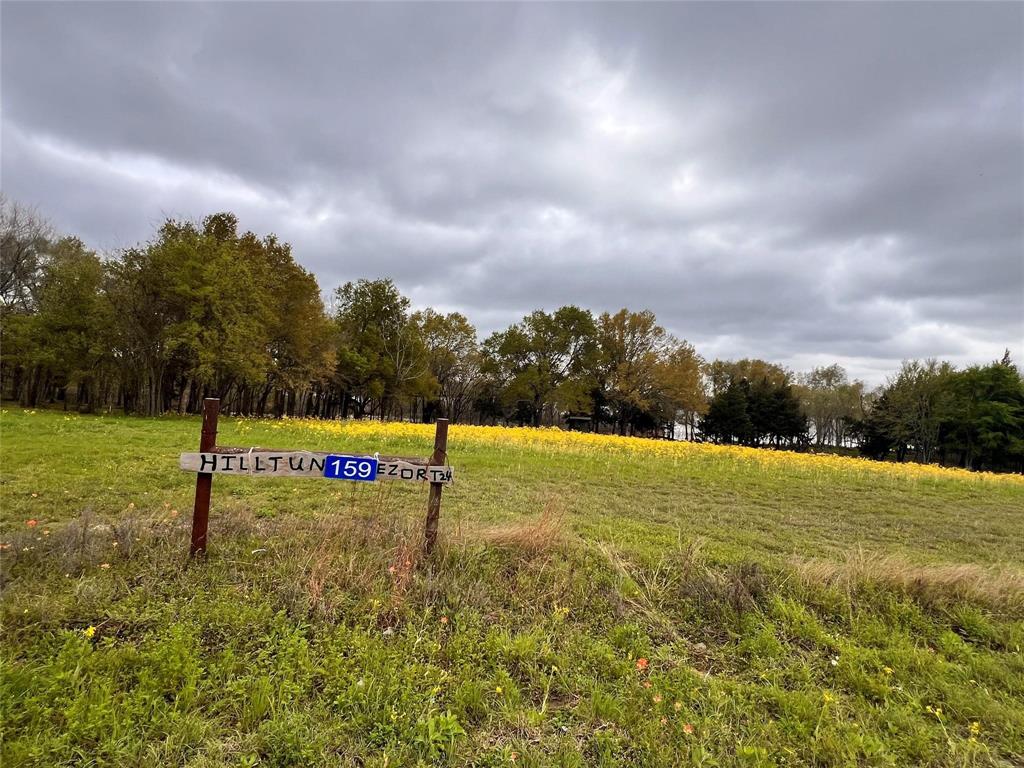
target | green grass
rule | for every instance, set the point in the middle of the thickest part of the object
(787, 617)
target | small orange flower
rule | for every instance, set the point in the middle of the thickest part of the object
(646, 683)
(444, 619)
(31, 523)
(664, 721)
(657, 698)
(641, 663)
(104, 566)
(687, 729)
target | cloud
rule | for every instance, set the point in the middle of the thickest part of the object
(805, 183)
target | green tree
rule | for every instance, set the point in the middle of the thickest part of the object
(874, 432)
(919, 400)
(765, 411)
(679, 385)
(728, 419)
(722, 373)
(632, 347)
(381, 356)
(74, 321)
(453, 358)
(203, 310)
(543, 364)
(985, 426)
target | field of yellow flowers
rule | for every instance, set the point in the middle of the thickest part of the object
(596, 600)
(556, 440)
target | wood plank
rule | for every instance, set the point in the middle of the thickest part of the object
(268, 463)
(232, 450)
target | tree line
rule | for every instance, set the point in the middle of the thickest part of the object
(204, 310)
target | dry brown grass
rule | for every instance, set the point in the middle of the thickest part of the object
(998, 588)
(532, 536)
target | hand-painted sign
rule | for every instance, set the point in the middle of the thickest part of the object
(261, 462)
(360, 468)
(264, 463)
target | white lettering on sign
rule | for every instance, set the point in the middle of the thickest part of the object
(263, 463)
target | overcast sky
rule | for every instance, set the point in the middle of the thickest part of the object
(804, 183)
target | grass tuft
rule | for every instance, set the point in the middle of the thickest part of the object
(532, 536)
(996, 587)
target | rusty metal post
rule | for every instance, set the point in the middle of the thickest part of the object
(439, 458)
(204, 480)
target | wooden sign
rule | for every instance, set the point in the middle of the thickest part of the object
(260, 462)
(212, 459)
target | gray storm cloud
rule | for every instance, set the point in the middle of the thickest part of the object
(801, 182)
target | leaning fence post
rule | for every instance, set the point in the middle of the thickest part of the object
(204, 480)
(439, 458)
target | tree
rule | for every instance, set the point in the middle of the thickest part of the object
(63, 339)
(543, 364)
(727, 419)
(300, 339)
(874, 431)
(632, 345)
(788, 425)
(73, 321)
(680, 386)
(919, 401)
(758, 412)
(721, 373)
(831, 402)
(453, 358)
(985, 426)
(201, 310)
(381, 357)
(25, 240)
(151, 324)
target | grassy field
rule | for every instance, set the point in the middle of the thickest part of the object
(595, 601)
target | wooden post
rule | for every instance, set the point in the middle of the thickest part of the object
(439, 458)
(204, 480)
